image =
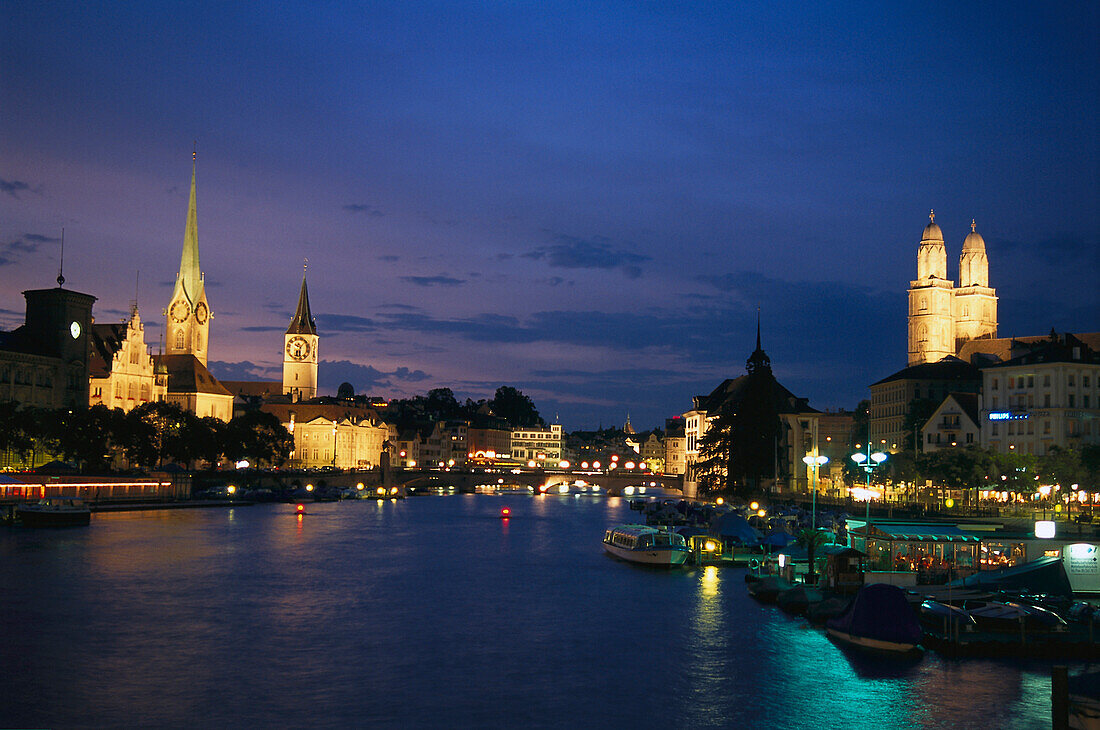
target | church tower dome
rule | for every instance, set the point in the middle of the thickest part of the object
(931, 306)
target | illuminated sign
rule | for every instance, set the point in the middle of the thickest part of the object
(1044, 529)
(1006, 416)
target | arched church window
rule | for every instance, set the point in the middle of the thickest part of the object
(179, 339)
(922, 303)
(922, 334)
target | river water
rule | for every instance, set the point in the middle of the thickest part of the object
(434, 612)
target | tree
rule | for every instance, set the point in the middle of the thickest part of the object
(514, 407)
(259, 437)
(89, 436)
(916, 415)
(152, 434)
(714, 469)
(15, 434)
(811, 540)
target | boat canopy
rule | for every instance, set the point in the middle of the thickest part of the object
(733, 526)
(1045, 575)
(917, 532)
(880, 611)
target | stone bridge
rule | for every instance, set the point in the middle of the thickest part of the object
(540, 480)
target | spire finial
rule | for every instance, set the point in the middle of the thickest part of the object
(758, 327)
(973, 225)
(194, 149)
(61, 265)
(305, 265)
(932, 216)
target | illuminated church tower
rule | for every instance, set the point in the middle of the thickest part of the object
(300, 352)
(187, 318)
(943, 317)
(931, 301)
(975, 301)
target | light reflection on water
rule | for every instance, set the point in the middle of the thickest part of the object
(434, 612)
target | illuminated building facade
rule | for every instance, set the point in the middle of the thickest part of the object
(943, 317)
(122, 373)
(1047, 397)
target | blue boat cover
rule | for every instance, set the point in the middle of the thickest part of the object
(735, 527)
(881, 612)
(1045, 575)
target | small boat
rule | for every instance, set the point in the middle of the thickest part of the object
(646, 545)
(767, 588)
(819, 613)
(798, 600)
(945, 617)
(54, 512)
(1007, 616)
(879, 619)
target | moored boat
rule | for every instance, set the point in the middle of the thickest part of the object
(1008, 616)
(54, 512)
(646, 545)
(766, 588)
(879, 619)
(944, 617)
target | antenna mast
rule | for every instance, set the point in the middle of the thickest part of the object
(61, 266)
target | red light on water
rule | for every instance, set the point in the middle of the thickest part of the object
(300, 508)
(505, 513)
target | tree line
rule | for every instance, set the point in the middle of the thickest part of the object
(149, 437)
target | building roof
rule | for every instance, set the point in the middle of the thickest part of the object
(1055, 348)
(969, 404)
(104, 341)
(253, 388)
(186, 374)
(732, 390)
(986, 352)
(973, 241)
(949, 368)
(302, 322)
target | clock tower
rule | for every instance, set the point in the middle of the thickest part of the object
(187, 318)
(300, 352)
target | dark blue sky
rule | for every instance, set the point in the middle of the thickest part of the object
(585, 200)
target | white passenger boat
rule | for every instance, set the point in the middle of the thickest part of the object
(54, 512)
(646, 545)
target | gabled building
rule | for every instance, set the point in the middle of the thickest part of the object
(955, 423)
(122, 373)
(891, 396)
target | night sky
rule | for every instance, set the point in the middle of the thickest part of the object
(586, 200)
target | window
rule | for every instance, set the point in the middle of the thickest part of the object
(969, 438)
(1031, 381)
(995, 383)
(994, 401)
(1046, 400)
(1071, 380)
(179, 339)
(1046, 380)
(1085, 380)
(1011, 383)
(1072, 401)
(1085, 401)
(1046, 427)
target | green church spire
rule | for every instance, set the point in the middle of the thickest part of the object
(189, 278)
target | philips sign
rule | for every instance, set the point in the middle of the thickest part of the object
(1006, 416)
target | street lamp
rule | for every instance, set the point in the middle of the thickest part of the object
(815, 463)
(869, 461)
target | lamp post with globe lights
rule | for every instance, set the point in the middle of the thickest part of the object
(869, 461)
(815, 462)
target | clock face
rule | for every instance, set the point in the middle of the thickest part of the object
(201, 313)
(74, 330)
(298, 348)
(180, 310)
